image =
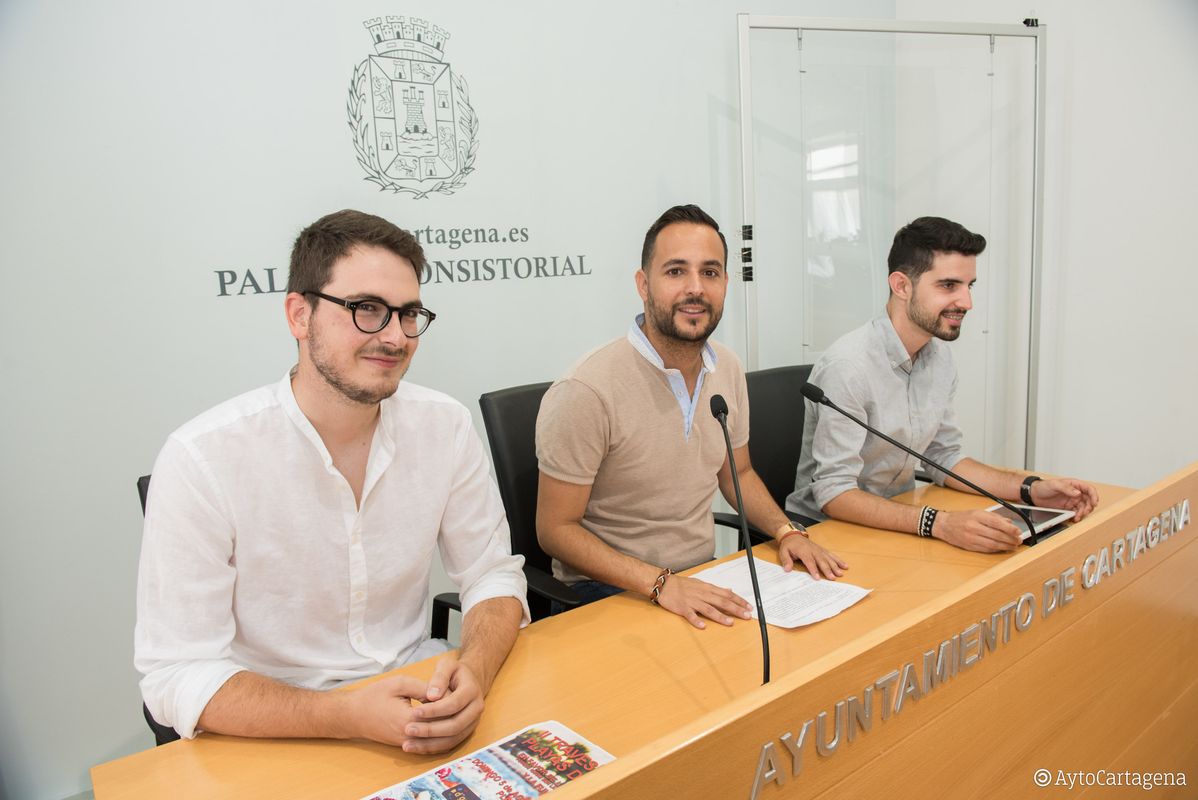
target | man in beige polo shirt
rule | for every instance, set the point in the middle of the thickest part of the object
(630, 455)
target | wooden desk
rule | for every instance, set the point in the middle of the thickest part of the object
(1107, 681)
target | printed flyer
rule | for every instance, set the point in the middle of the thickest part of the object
(522, 766)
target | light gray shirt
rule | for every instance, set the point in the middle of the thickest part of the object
(869, 374)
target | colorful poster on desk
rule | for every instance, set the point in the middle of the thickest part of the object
(522, 766)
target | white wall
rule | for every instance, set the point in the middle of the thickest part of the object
(1119, 337)
(143, 147)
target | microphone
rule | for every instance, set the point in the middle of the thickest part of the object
(719, 410)
(816, 395)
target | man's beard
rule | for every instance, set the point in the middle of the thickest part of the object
(663, 320)
(370, 396)
(931, 322)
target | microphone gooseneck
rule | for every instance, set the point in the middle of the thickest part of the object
(816, 395)
(719, 410)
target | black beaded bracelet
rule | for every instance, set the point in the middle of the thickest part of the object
(927, 518)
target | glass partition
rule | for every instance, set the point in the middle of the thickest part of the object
(848, 134)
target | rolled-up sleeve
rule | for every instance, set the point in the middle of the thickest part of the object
(474, 540)
(185, 624)
(837, 442)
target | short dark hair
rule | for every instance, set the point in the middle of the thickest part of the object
(687, 213)
(331, 237)
(916, 243)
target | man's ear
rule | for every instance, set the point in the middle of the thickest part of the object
(900, 285)
(299, 312)
(642, 285)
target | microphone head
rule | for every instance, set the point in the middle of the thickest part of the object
(812, 393)
(719, 406)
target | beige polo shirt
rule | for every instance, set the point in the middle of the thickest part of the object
(614, 422)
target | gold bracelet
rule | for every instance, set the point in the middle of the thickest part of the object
(658, 585)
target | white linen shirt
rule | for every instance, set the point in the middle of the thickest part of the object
(255, 555)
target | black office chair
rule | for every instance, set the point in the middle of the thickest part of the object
(510, 417)
(162, 734)
(776, 413)
(776, 417)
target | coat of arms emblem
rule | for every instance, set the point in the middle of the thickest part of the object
(413, 128)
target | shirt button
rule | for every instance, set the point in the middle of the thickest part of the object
(358, 595)
(358, 639)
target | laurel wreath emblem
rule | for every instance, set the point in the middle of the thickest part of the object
(368, 159)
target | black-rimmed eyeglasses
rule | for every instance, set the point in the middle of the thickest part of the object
(371, 316)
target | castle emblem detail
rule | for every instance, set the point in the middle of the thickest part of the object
(413, 128)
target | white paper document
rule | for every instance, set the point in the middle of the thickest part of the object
(791, 598)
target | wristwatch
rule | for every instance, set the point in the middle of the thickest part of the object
(790, 530)
(1025, 489)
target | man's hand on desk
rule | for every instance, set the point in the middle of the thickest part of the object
(977, 530)
(695, 599)
(818, 561)
(1066, 493)
(453, 708)
(381, 711)
(450, 705)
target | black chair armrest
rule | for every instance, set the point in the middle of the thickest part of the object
(540, 583)
(756, 536)
(806, 522)
(442, 604)
(550, 587)
(162, 734)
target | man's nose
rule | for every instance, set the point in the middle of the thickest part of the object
(393, 331)
(965, 298)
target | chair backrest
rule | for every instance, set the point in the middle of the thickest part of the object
(143, 490)
(510, 417)
(776, 426)
(162, 734)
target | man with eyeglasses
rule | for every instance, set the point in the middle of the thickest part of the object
(290, 531)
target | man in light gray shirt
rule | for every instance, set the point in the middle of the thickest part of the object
(897, 373)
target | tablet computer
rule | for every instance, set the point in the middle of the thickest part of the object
(1044, 519)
